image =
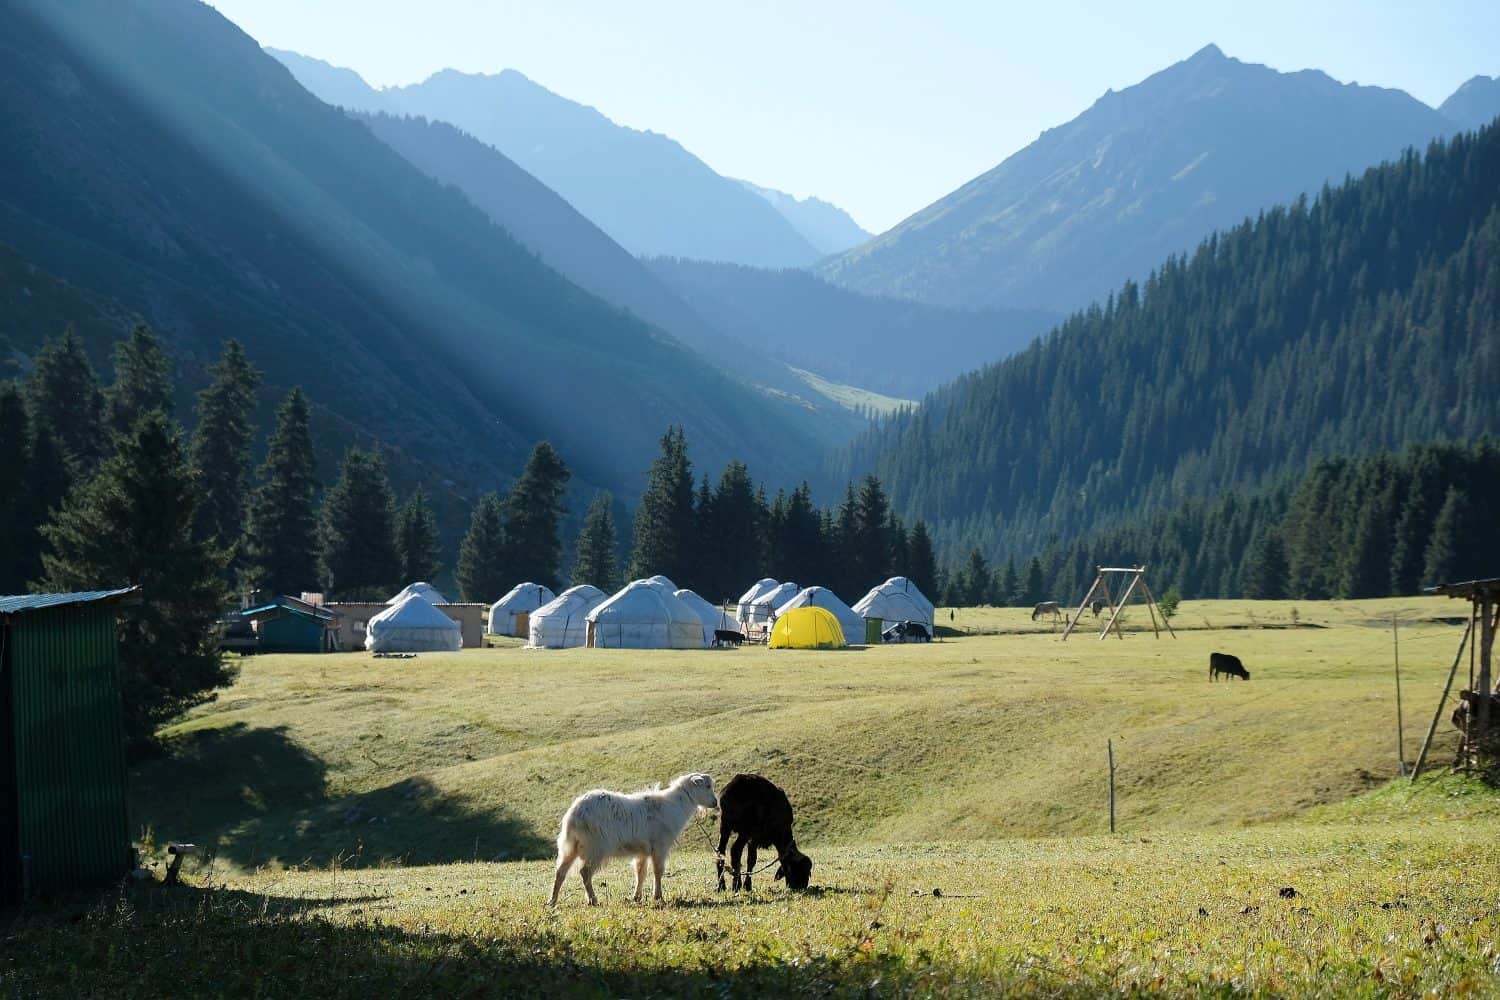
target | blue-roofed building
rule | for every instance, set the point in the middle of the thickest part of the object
(62, 744)
(288, 625)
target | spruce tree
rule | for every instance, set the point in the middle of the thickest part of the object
(1449, 557)
(132, 524)
(18, 539)
(1011, 594)
(921, 563)
(360, 561)
(596, 562)
(282, 536)
(871, 548)
(63, 395)
(843, 545)
(1410, 548)
(534, 511)
(733, 536)
(1266, 570)
(804, 548)
(976, 580)
(898, 541)
(1034, 582)
(664, 521)
(221, 444)
(1367, 566)
(481, 573)
(143, 381)
(417, 539)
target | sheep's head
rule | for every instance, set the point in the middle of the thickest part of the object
(796, 868)
(700, 788)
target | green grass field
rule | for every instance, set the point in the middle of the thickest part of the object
(376, 825)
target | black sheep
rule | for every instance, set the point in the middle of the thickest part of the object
(759, 812)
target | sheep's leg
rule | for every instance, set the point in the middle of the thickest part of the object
(734, 859)
(719, 860)
(587, 873)
(639, 864)
(565, 861)
(658, 865)
(750, 866)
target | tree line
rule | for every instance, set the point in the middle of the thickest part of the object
(1381, 525)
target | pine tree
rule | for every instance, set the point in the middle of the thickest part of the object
(63, 395)
(481, 572)
(1266, 570)
(282, 537)
(132, 524)
(1034, 582)
(417, 539)
(1367, 569)
(664, 521)
(802, 546)
(1010, 585)
(921, 563)
(1448, 551)
(533, 518)
(898, 540)
(976, 580)
(221, 444)
(871, 548)
(360, 561)
(18, 540)
(143, 381)
(1410, 548)
(596, 562)
(733, 533)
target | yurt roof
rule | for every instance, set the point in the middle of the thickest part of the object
(524, 596)
(758, 588)
(413, 612)
(425, 590)
(662, 581)
(584, 593)
(711, 614)
(644, 601)
(777, 595)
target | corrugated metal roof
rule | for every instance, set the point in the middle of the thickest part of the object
(20, 603)
(293, 605)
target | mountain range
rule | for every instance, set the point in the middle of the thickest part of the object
(645, 190)
(158, 164)
(1145, 173)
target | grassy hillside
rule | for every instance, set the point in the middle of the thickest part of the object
(905, 765)
(475, 755)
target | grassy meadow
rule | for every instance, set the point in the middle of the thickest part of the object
(387, 824)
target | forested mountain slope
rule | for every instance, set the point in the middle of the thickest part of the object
(1145, 172)
(1367, 319)
(894, 346)
(645, 190)
(155, 156)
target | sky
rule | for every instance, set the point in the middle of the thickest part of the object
(878, 106)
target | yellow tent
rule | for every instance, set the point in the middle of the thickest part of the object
(807, 627)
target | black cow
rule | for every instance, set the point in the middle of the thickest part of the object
(728, 637)
(1098, 606)
(906, 632)
(1226, 664)
(760, 813)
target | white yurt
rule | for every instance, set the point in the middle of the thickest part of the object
(897, 600)
(763, 608)
(663, 582)
(713, 617)
(562, 622)
(426, 591)
(522, 599)
(645, 615)
(413, 626)
(821, 597)
(760, 587)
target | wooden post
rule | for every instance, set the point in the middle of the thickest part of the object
(1152, 598)
(1427, 743)
(1111, 748)
(1486, 643)
(1124, 598)
(1085, 603)
(1400, 735)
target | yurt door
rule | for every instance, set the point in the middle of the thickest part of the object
(591, 634)
(872, 631)
(523, 624)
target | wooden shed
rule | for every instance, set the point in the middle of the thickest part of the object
(63, 819)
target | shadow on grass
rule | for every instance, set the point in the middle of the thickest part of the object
(253, 796)
(150, 942)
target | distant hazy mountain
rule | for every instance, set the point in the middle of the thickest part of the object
(643, 189)
(155, 157)
(893, 346)
(546, 224)
(827, 227)
(1144, 173)
(1475, 104)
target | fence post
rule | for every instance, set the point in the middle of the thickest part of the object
(1111, 747)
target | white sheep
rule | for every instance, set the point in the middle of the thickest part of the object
(600, 825)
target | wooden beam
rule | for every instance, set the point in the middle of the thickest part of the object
(1079, 614)
(1114, 618)
(1443, 701)
(1165, 624)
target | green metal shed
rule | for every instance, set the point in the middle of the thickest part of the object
(62, 744)
(287, 625)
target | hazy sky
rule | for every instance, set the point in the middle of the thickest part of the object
(877, 105)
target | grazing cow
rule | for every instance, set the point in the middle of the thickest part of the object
(728, 637)
(642, 826)
(1046, 608)
(1226, 664)
(760, 813)
(906, 632)
(1098, 606)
